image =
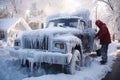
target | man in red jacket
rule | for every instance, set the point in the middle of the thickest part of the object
(104, 36)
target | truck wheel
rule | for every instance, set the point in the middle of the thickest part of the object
(75, 63)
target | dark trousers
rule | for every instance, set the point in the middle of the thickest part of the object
(103, 52)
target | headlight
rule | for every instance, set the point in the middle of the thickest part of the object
(59, 45)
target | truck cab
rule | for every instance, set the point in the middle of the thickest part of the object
(65, 41)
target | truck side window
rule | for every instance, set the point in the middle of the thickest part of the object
(73, 24)
(82, 24)
(51, 24)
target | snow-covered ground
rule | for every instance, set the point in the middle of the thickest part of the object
(10, 68)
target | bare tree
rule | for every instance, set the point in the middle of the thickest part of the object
(4, 12)
(13, 2)
(18, 7)
(108, 2)
(114, 14)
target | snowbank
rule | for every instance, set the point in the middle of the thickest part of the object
(8, 69)
(93, 72)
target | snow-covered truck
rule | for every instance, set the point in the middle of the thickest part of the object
(67, 40)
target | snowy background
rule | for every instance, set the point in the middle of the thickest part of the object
(35, 12)
(10, 68)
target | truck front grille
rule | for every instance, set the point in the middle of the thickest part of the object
(36, 42)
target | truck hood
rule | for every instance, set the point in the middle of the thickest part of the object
(51, 31)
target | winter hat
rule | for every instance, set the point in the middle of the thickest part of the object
(99, 23)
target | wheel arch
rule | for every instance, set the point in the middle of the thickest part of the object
(78, 47)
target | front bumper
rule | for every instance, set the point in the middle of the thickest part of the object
(41, 56)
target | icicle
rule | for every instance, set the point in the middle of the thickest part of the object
(31, 63)
(40, 65)
(24, 61)
(32, 45)
(37, 44)
(62, 68)
(31, 66)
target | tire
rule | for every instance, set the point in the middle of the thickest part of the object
(75, 63)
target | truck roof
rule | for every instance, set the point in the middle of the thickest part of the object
(82, 14)
(64, 17)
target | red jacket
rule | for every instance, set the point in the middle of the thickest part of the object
(103, 34)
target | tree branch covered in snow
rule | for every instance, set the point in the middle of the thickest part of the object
(112, 14)
(4, 13)
(108, 3)
(14, 5)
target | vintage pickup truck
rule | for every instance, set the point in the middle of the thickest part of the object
(66, 40)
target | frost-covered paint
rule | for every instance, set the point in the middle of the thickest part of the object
(52, 55)
(55, 44)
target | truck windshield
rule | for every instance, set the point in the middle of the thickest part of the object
(71, 22)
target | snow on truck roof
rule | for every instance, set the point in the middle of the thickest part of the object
(81, 14)
(62, 17)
